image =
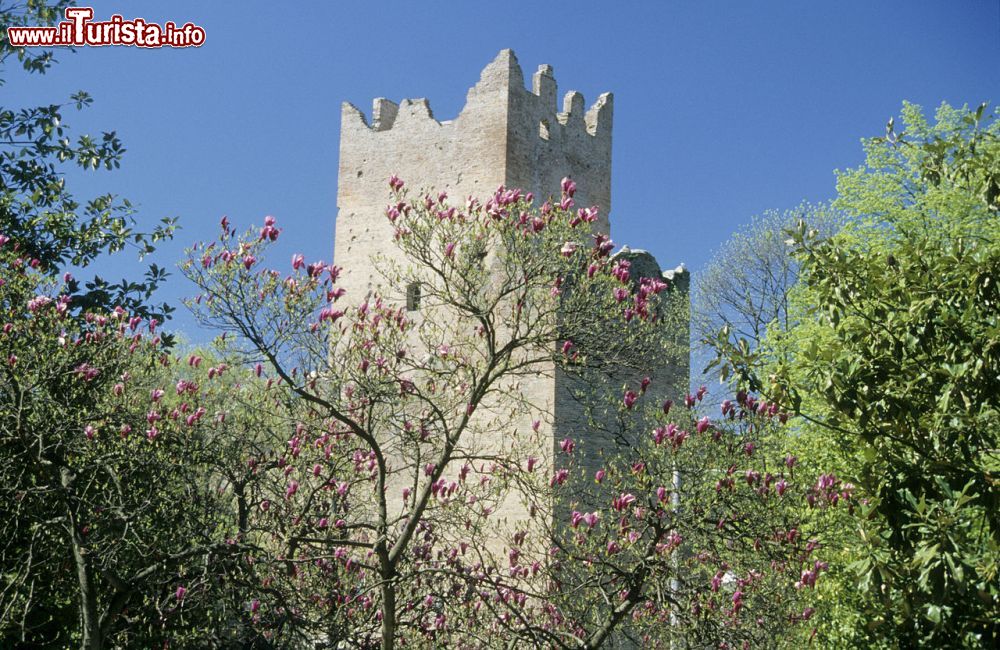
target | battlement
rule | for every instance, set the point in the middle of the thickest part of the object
(505, 134)
(504, 72)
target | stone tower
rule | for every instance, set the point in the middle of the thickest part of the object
(504, 135)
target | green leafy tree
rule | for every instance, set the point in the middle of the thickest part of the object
(38, 212)
(896, 364)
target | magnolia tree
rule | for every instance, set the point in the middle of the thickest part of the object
(691, 538)
(125, 493)
(419, 441)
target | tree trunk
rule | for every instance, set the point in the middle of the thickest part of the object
(388, 590)
(91, 638)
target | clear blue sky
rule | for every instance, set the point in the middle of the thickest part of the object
(722, 109)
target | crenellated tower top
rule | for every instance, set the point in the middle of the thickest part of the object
(521, 134)
(505, 134)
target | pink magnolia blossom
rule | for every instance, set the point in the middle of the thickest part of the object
(588, 215)
(269, 231)
(623, 501)
(85, 371)
(602, 245)
(38, 302)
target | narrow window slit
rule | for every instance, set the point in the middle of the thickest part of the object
(413, 296)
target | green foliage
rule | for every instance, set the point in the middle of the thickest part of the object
(38, 212)
(896, 363)
(28, 13)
